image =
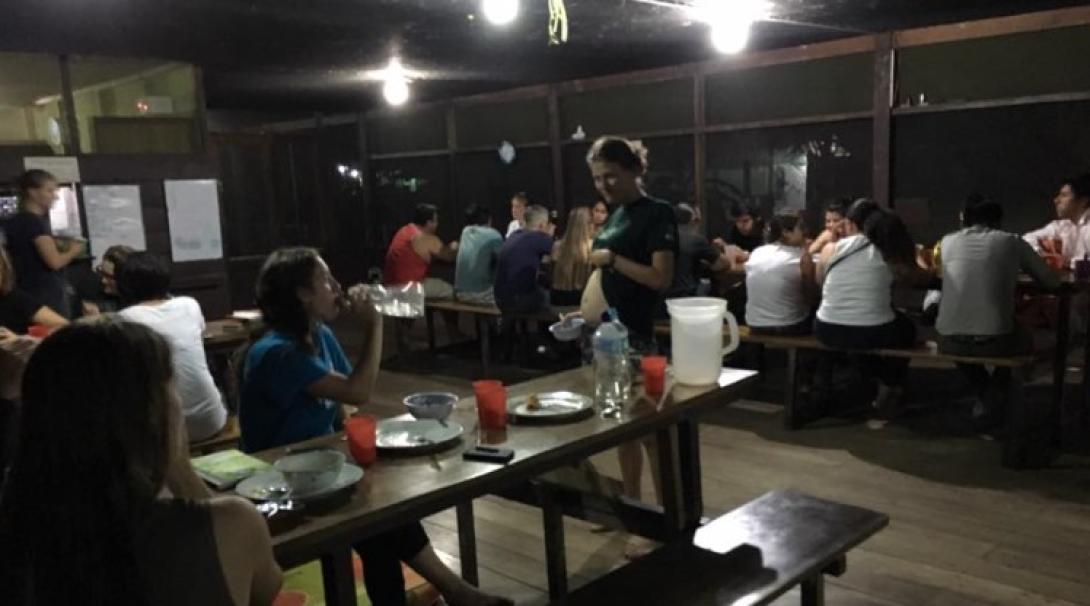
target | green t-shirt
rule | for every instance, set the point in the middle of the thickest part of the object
(636, 231)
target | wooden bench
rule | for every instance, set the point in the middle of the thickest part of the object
(751, 556)
(1021, 441)
(228, 437)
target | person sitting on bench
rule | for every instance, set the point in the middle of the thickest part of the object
(979, 267)
(516, 288)
(856, 313)
(477, 250)
(411, 253)
(696, 257)
(780, 280)
(571, 259)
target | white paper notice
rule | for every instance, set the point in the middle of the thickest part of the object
(113, 217)
(193, 211)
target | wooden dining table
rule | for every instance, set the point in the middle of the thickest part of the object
(398, 490)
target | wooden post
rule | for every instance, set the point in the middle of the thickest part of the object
(556, 152)
(68, 110)
(882, 158)
(700, 155)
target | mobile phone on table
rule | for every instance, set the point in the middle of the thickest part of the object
(489, 454)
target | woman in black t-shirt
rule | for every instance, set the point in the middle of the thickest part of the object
(38, 256)
(635, 250)
(19, 310)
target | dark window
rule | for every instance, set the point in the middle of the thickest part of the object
(407, 130)
(630, 109)
(524, 121)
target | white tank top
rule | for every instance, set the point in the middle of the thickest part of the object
(858, 285)
(774, 287)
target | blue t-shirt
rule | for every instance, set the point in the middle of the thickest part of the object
(476, 258)
(275, 408)
(519, 262)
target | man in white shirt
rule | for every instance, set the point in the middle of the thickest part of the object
(1073, 225)
(519, 202)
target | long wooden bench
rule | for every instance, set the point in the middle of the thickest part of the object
(1022, 444)
(751, 556)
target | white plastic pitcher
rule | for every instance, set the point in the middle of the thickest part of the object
(696, 332)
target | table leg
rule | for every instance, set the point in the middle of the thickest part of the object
(672, 503)
(338, 580)
(1059, 367)
(813, 590)
(467, 542)
(1084, 403)
(556, 563)
(429, 320)
(791, 418)
(688, 442)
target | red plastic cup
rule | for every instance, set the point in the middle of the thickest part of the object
(361, 438)
(38, 331)
(491, 404)
(654, 374)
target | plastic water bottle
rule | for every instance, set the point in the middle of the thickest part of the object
(612, 381)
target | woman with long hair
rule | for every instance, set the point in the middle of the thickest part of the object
(101, 505)
(38, 256)
(571, 259)
(780, 280)
(294, 380)
(857, 274)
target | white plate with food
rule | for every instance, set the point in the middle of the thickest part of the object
(411, 435)
(550, 406)
(271, 486)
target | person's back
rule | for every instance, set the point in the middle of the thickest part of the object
(857, 286)
(516, 285)
(192, 552)
(477, 250)
(979, 274)
(695, 253)
(774, 284)
(180, 321)
(403, 264)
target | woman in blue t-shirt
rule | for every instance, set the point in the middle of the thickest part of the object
(295, 379)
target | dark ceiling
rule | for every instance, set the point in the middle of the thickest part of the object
(291, 55)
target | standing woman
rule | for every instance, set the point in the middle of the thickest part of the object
(635, 252)
(571, 259)
(38, 257)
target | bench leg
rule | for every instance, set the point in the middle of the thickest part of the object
(467, 541)
(338, 580)
(813, 590)
(688, 443)
(484, 337)
(556, 564)
(791, 418)
(429, 319)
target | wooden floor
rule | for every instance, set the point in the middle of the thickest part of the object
(963, 530)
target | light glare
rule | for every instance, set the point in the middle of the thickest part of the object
(500, 12)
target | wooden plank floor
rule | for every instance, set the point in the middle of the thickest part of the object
(963, 530)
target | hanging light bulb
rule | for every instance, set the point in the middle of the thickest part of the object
(395, 87)
(730, 22)
(730, 37)
(500, 12)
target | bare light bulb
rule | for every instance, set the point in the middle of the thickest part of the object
(730, 38)
(395, 87)
(500, 12)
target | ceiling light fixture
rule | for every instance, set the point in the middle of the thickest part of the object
(500, 12)
(395, 83)
(730, 22)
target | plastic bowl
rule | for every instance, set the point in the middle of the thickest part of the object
(568, 330)
(310, 471)
(431, 404)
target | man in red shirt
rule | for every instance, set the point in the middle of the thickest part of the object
(412, 251)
